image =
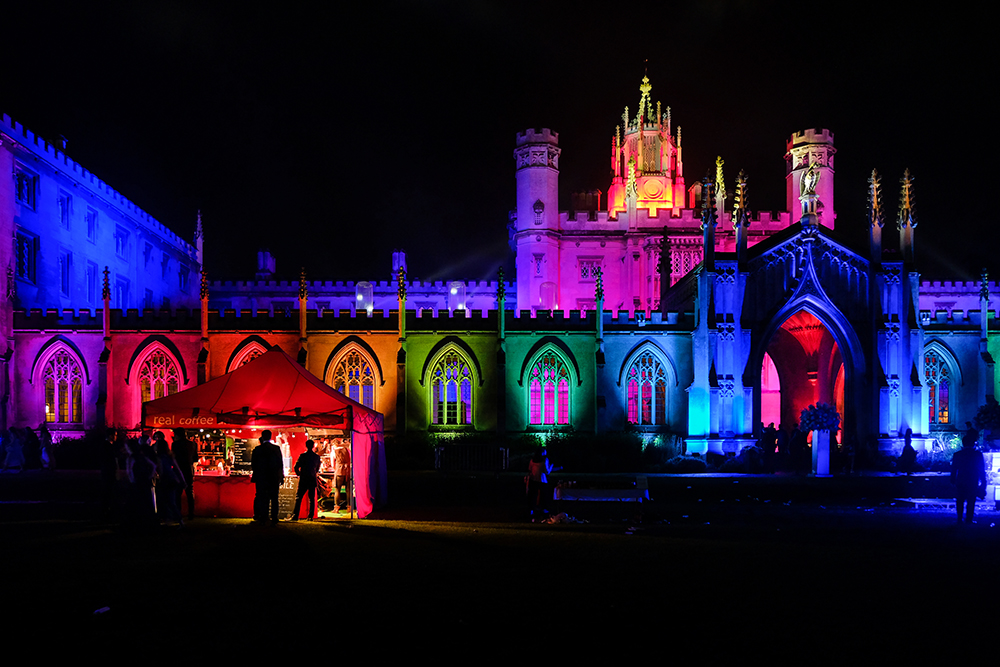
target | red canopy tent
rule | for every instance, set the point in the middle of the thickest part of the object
(274, 390)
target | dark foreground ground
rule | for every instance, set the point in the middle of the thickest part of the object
(773, 569)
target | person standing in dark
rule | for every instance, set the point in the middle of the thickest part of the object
(968, 474)
(111, 450)
(539, 491)
(306, 467)
(169, 482)
(908, 457)
(185, 455)
(268, 474)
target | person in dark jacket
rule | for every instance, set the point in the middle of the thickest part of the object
(968, 474)
(268, 475)
(185, 455)
(306, 467)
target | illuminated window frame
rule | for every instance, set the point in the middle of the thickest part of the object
(353, 375)
(452, 389)
(246, 355)
(549, 385)
(645, 385)
(158, 375)
(939, 376)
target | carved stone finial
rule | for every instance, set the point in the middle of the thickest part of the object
(204, 286)
(741, 213)
(678, 136)
(106, 290)
(984, 285)
(599, 285)
(906, 217)
(720, 181)
(876, 216)
(501, 288)
(198, 231)
(631, 188)
(625, 119)
(401, 284)
(303, 290)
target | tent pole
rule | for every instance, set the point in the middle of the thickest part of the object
(350, 486)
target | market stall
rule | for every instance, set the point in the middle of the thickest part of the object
(225, 417)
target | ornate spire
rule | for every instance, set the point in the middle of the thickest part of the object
(645, 104)
(678, 133)
(625, 119)
(708, 204)
(720, 181)
(106, 290)
(906, 217)
(741, 214)
(501, 288)
(401, 284)
(876, 216)
(198, 231)
(984, 285)
(599, 285)
(303, 290)
(204, 286)
(630, 186)
(668, 125)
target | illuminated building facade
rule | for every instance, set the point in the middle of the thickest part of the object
(667, 306)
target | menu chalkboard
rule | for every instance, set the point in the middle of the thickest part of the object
(241, 455)
(286, 497)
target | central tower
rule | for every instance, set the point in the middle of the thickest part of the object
(646, 160)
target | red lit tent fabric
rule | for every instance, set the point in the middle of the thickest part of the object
(274, 390)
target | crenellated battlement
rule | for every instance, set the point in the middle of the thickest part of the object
(537, 136)
(810, 136)
(189, 320)
(59, 161)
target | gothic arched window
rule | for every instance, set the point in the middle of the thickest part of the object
(937, 375)
(353, 377)
(451, 390)
(246, 356)
(63, 384)
(158, 376)
(548, 390)
(646, 391)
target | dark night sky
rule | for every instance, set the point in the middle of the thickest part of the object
(333, 135)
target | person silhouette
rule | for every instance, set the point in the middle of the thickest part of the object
(268, 474)
(968, 474)
(306, 467)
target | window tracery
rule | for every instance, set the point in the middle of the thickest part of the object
(646, 391)
(451, 390)
(353, 377)
(158, 376)
(937, 375)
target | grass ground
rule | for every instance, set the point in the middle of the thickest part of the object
(808, 570)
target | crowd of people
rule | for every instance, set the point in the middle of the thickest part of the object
(22, 448)
(144, 478)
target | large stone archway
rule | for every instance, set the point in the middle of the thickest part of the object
(807, 362)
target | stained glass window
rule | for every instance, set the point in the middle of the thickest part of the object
(451, 390)
(938, 379)
(353, 378)
(158, 376)
(646, 386)
(63, 384)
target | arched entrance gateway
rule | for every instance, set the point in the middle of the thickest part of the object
(802, 366)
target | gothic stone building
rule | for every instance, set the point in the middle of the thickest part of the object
(668, 306)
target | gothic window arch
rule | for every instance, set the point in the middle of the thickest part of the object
(62, 388)
(939, 376)
(246, 355)
(353, 375)
(157, 375)
(645, 386)
(549, 387)
(451, 393)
